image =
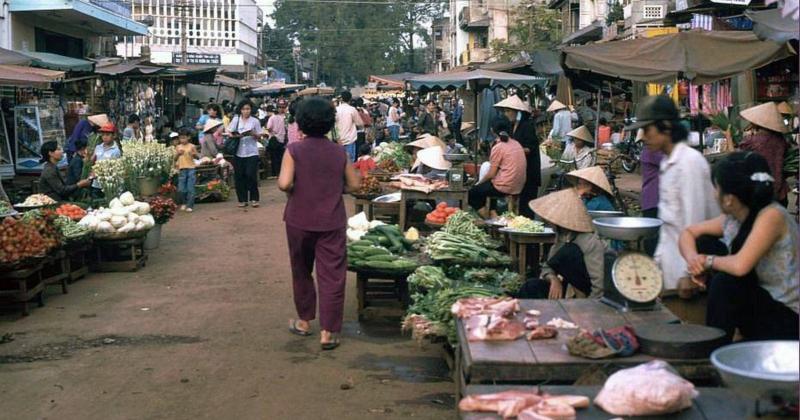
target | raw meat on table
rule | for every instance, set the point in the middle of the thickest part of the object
(508, 404)
(467, 307)
(493, 328)
(542, 332)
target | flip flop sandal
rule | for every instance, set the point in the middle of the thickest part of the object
(297, 331)
(331, 344)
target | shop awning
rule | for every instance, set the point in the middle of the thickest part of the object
(771, 25)
(275, 88)
(200, 75)
(13, 57)
(516, 67)
(128, 69)
(396, 80)
(96, 17)
(321, 91)
(476, 79)
(593, 32)
(11, 75)
(697, 55)
(231, 82)
(546, 63)
(59, 62)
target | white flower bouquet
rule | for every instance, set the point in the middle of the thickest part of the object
(110, 174)
(146, 160)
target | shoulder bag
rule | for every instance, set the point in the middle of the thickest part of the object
(231, 145)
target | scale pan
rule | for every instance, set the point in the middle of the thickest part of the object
(627, 228)
(596, 214)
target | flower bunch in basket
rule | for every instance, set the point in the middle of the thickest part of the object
(147, 160)
(162, 209)
(167, 189)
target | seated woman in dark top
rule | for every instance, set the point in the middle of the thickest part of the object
(51, 181)
(593, 187)
(75, 168)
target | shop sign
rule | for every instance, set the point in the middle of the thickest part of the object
(196, 58)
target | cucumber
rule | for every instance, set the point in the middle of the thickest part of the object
(375, 251)
(383, 265)
(404, 264)
(362, 242)
(389, 258)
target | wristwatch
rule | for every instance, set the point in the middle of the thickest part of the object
(709, 262)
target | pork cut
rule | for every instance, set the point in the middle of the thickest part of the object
(547, 409)
(467, 307)
(507, 404)
(493, 328)
(542, 332)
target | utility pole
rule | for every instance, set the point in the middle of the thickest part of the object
(183, 4)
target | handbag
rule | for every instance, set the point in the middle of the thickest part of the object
(231, 144)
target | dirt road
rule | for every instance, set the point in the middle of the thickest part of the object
(201, 333)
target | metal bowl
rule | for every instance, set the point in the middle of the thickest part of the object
(627, 228)
(596, 214)
(388, 198)
(456, 157)
(760, 369)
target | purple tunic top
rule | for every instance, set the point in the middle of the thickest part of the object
(315, 204)
(650, 167)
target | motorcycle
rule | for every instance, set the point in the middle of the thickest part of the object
(630, 151)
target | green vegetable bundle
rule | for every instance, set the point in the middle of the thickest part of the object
(388, 236)
(462, 224)
(449, 248)
(71, 230)
(364, 254)
(433, 310)
(429, 279)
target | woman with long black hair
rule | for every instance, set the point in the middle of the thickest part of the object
(245, 163)
(754, 279)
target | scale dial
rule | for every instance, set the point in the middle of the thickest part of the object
(637, 277)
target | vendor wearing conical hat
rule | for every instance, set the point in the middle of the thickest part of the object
(765, 136)
(82, 131)
(423, 141)
(562, 121)
(431, 163)
(593, 188)
(582, 148)
(524, 131)
(577, 257)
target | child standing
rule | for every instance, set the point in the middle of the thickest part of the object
(185, 153)
(365, 163)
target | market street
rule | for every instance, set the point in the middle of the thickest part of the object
(201, 333)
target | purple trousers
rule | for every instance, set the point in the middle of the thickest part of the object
(328, 250)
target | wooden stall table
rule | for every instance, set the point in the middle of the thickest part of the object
(531, 362)
(22, 285)
(117, 255)
(55, 270)
(436, 195)
(518, 246)
(712, 403)
(78, 261)
(374, 285)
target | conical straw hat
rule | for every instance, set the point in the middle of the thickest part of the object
(513, 102)
(582, 133)
(766, 115)
(211, 124)
(98, 120)
(555, 106)
(785, 108)
(563, 208)
(432, 157)
(425, 141)
(593, 175)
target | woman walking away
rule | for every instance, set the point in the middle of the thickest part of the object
(315, 173)
(755, 278)
(245, 163)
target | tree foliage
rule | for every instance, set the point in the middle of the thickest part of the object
(349, 41)
(533, 27)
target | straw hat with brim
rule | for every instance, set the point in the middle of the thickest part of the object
(211, 125)
(654, 108)
(594, 175)
(468, 125)
(785, 108)
(582, 133)
(556, 106)
(766, 115)
(98, 120)
(432, 157)
(515, 103)
(425, 141)
(564, 209)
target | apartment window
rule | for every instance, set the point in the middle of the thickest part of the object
(438, 54)
(438, 34)
(653, 12)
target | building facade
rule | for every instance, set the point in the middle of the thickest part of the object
(440, 45)
(72, 28)
(217, 32)
(474, 24)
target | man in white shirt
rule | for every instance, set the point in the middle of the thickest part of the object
(686, 195)
(562, 121)
(347, 123)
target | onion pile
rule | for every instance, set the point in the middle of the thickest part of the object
(124, 215)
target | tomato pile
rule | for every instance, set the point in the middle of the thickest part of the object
(440, 215)
(20, 239)
(72, 211)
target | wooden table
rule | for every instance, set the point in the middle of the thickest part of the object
(117, 255)
(378, 285)
(712, 403)
(22, 285)
(437, 195)
(518, 247)
(531, 362)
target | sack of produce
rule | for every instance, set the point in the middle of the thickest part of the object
(650, 389)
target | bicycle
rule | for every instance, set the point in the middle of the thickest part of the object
(631, 153)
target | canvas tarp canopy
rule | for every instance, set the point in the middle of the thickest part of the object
(59, 62)
(697, 55)
(13, 57)
(771, 24)
(275, 88)
(477, 79)
(11, 75)
(395, 81)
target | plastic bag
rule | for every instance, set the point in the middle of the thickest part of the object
(649, 389)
